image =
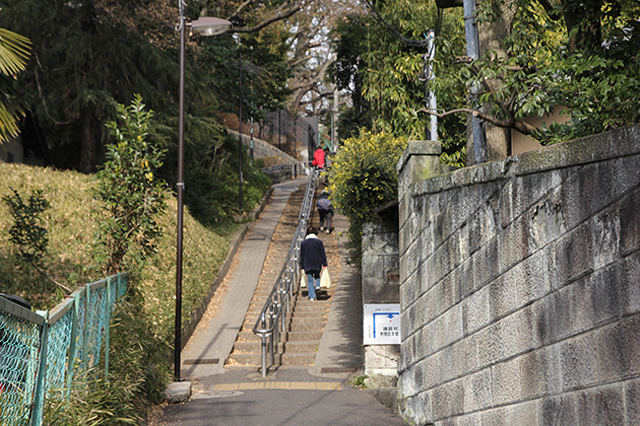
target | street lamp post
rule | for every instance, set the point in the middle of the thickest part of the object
(205, 27)
(240, 139)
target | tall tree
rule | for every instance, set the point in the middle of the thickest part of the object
(590, 66)
(87, 57)
(381, 61)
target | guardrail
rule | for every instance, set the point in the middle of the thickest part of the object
(42, 352)
(281, 172)
(271, 320)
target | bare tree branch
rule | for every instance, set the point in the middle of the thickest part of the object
(319, 76)
(299, 61)
(44, 274)
(317, 98)
(239, 9)
(519, 125)
(276, 18)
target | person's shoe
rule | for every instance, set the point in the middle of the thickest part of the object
(318, 289)
(322, 228)
(328, 231)
(312, 300)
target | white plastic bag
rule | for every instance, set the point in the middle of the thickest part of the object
(325, 278)
(303, 279)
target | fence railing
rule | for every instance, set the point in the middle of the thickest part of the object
(42, 352)
(271, 320)
(283, 172)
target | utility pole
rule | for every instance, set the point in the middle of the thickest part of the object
(334, 117)
(433, 105)
(473, 51)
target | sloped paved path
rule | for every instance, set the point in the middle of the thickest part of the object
(306, 321)
(320, 394)
(212, 341)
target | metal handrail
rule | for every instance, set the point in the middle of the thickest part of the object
(271, 320)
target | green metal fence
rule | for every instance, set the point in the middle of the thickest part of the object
(42, 352)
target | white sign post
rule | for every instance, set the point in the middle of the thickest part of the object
(382, 324)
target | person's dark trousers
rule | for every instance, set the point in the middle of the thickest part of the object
(325, 215)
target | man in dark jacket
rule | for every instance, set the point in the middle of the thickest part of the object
(313, 260)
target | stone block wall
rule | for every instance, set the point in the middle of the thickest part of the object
(262, 149)
(379, 286)
(520, 286)
(280, 173)
(380, 262)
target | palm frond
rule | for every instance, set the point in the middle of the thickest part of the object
(14, 52)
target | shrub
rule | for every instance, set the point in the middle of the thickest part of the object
(27, 232)
(363, 177)
(132, 197)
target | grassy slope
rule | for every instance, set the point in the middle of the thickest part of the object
(72, 226)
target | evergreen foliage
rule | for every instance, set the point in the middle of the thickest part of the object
(132, 196)
(386, 77)
(585, 66)
(28, 232)
(363, 177)
(90, 56)
(86, 58)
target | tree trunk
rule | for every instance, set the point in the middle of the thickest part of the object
(582, 19)
(88, 147)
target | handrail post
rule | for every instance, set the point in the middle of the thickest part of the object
(283, 318)
(263, 347)
(264, 354)
(106, 331)
(38, 401)
(273, 338)
(72, 344)
(85, 331)
(287, 293)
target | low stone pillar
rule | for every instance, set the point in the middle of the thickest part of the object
(380, 286)
(420, 160)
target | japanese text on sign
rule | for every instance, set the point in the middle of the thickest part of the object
(382, 324)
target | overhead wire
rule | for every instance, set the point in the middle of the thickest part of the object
(406, 41)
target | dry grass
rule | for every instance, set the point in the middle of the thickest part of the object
(72, 227)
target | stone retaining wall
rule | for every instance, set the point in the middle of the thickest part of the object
(380, 286)
(262, 149)
(520, 286)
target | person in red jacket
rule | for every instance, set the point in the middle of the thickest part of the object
(318, 158)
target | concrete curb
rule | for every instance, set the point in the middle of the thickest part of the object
(238, 237)
(178, 392)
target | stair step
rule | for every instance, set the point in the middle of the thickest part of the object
(315, 313)
(313, 307)
(297, 359)
(317, 326)
(280, 359)
(309, 347)
(298, 314)
(291, 336)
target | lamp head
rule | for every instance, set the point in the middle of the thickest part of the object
(207, 26)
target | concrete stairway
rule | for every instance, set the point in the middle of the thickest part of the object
(305, 323)
(298, 344)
